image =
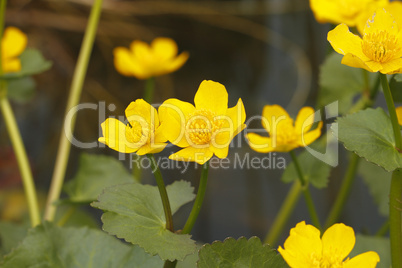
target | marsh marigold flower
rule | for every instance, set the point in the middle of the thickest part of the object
(203, 130)
(284, 134)
(305, 249)
(141, 135)
(379, 50)
(144, 61)
(349, 12)
(12, 45)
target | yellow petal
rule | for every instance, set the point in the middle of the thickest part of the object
(338, 241)
(141, 50)
(220, 151)
(392, 66)
(11, 65)
(126, 64)
(152, 148)
(395, 8)
(380, 21)
(399, 114)
(164, 48)
(237, 116)
(259, 143)
(302, 244)
(173, 114)
(13, 43)
(365, 260)
(114, 136)
(191, 154)
(308, 138)
(304, 120)
(344, 42)
(140, 110)
(273, 116)
(354, 61)
(212, 96)
(367, 13)
(175, 63)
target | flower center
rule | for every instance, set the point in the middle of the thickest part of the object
(138, 132)
(333, 261)
(380, 46)
(285, 135)
(201, 126)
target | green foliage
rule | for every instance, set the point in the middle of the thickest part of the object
(381, 245)
(53, 247)
(95, 173)
(369, 134)
(135, 213)
(10, 235)
(314, 170)
(341, 83)
(379, 182)
(32, 62)
(21, 90)
(239, 253)
(395, 85)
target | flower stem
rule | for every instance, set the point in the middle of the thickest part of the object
(395, 210)
(284, 213)
(22, 159)
(73, 100)
(306, 192)
(344, 191)
(162, 191)
(149, 90)
(391, 110)
(198, 200)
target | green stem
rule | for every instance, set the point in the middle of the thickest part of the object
(136, 170)
(162, 191)
(73, 100)
(383, 229)
(149, 90)
(198, 200)
(67, 215)
(391, 110)
(284, 213)
(344, 191)
(306, 192)
(395, 224)
(22, 159)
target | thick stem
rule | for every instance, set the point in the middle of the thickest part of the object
(306, 192)
(162, 191)
(73, 100)
(391, 110)
(149, 90)
(198, 200)
(344, 191)
(22, 159)
(285, 211)
(395, 224)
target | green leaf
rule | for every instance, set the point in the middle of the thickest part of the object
(341, 83)
(134, 212)
(314, 170)
(380, 245)
(11, 235)
(21, 90)
(378, 182)
(369, 134)
(32, 62)
(95, 173)
(239, 253)
(48, 246)
(395, 85)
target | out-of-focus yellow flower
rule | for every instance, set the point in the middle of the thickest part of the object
(142, 135)
(349, 12)
(13, 44)
(284, 134)
(379, 50)
(399, 114)
(305, 249)
(144, 61)
(203, 130)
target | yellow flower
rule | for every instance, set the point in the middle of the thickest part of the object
(349, 12)
(141, 135)
(144, 61)
(203, 130)
(305, 249)
(284, 134)
(379, 50)
(398, 111)
(12, 45)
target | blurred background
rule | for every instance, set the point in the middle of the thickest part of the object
(263, 51)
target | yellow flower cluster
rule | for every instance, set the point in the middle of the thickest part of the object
(13, 44)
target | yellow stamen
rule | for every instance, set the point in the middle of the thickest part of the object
(137, 132)
(201, 125)
(380, 46)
